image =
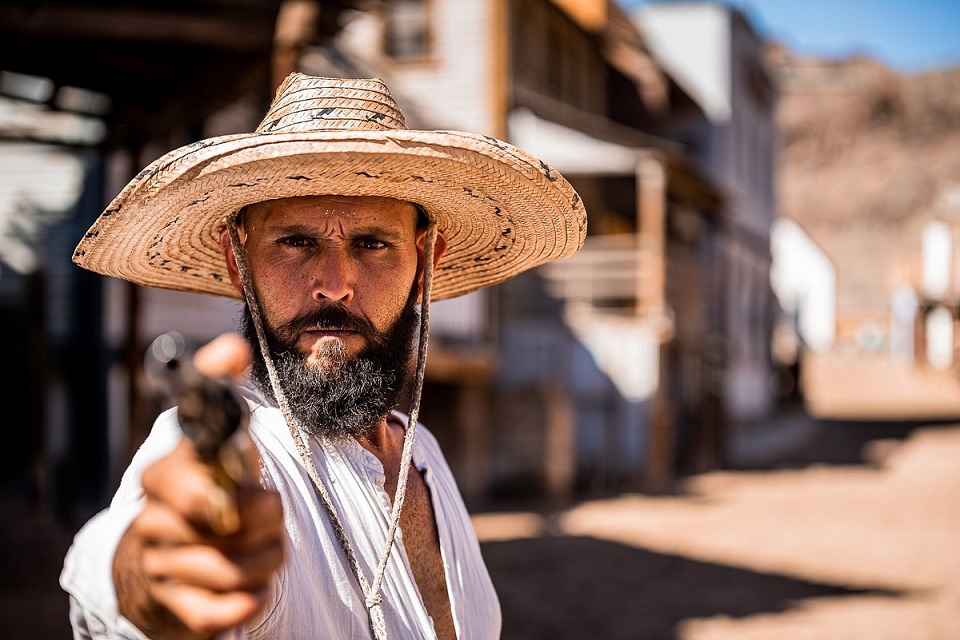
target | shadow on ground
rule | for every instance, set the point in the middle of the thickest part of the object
(574, 588)
(805, 441)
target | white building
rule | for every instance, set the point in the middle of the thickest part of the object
(716, 55)
(805, 282)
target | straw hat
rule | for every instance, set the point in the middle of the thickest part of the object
(501, 210)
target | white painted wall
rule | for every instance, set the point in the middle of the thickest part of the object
(937, 255)
(692, 41)
(904, 305)
(450, 89)
(200, 318)
(39, 184)
(625, 351)
(708, 52)
(805, 282)
(939, 334)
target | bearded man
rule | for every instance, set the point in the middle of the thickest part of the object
(337, 226)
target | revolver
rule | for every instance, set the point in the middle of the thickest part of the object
(214, 418)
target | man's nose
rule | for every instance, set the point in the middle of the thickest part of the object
(333, 277)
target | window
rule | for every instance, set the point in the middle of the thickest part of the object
(407, 28)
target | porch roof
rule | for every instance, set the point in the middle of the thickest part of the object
(161, 64)
(576, 152)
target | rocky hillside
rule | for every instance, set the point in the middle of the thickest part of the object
(867, 157)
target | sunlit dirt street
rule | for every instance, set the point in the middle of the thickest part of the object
(858, 538)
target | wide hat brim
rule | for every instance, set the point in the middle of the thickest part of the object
(501, 210)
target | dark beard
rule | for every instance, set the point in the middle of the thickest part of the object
(340, 397)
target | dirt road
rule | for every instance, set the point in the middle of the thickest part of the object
(851, 550)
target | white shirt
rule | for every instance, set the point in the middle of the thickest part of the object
(315, 594)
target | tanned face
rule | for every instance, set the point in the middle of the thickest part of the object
(358, 253)
(336, 279)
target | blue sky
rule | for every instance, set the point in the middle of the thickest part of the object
(907, 35)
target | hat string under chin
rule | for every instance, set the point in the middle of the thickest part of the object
(371, 592)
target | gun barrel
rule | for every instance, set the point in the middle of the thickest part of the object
(212, 416)
(209, 410)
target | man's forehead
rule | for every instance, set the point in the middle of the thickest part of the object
(332, 207)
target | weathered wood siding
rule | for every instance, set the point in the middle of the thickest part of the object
(451, 87)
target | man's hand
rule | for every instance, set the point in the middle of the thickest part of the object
(176, 578)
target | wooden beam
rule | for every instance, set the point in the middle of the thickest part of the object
(227, 30)
(651, 230)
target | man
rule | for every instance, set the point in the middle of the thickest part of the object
(334, 223)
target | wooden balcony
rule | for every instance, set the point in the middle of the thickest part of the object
(613, 275)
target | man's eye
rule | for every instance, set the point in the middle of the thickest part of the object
(372, 243)
(297, 241)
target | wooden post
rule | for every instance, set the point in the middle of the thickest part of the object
(473, 411)
(559, 451)
(296, 26)
(500, 77)
(651, 234)
(651, 303)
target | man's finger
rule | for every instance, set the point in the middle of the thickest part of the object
(159, 524)
(226, 356)
(181, 481)
(209, 568)
(207, 612)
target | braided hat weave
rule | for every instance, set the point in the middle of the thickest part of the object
(500, 209)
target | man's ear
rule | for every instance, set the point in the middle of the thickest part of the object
(439, 247)
(227, 248)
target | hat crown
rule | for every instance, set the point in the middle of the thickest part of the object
(309, 104)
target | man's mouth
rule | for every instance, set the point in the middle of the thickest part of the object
(331, 332)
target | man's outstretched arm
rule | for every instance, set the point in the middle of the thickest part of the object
(153, 558)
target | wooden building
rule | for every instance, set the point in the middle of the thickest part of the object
(109, 86)
(719, 59)
(602, 371)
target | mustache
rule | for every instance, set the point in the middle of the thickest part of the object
(328, 317)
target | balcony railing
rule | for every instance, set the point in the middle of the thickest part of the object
(610, 272)
(612, 275)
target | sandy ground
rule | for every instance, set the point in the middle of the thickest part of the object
(841, 386)
(814, 551)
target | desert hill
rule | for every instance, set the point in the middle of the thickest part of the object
(866, 158)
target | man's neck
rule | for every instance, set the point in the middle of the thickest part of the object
(385, 441)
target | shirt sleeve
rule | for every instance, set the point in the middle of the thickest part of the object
(88, 568)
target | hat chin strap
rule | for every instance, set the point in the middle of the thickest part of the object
(371, 591)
